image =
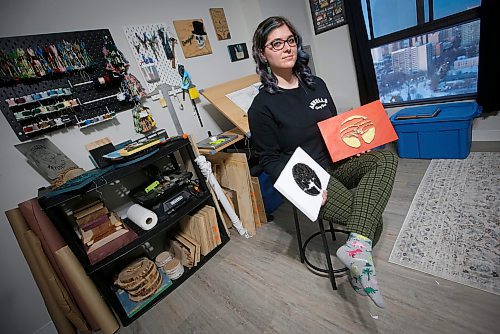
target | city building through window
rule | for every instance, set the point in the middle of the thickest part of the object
(423, 50)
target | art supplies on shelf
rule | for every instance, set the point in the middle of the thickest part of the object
(218, 141)
(139, 284)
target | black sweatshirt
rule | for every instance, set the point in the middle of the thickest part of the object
(281, 122)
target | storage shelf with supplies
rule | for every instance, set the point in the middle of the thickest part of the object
(113, 189)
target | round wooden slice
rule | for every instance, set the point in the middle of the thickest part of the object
(151, 291)
(171, 265)
(143, 289)
(163, 258)
(131, 275)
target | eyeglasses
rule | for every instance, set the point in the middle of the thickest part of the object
(279, 44)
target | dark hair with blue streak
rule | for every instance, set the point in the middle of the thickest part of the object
(300, 69)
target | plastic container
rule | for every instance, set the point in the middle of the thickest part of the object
(446, 135)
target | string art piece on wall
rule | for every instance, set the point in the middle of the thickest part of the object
(193, 37)
(220, 23)
(154, 48)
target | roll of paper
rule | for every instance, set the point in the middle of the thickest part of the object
(142, 217)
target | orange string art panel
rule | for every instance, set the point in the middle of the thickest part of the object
(357, 131)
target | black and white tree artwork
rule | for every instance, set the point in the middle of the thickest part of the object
(301, 181)
(307, 179)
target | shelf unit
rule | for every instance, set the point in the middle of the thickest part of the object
(180, 155)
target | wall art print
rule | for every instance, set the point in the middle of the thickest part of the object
(327, 14)
(238, 51)
(46, 158)
(220, 23)
(192, 37)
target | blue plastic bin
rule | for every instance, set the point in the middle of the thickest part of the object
(445, 136)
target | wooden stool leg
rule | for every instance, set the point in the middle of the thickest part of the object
(299, 236)
(327, 254)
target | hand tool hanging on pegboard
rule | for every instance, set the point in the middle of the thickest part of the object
(165, 42)
(188, 86)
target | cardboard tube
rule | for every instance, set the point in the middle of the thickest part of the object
(212, 181)
(19, 227)
(57, 289)
(87, 291)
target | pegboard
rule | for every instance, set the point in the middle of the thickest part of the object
(95, 103)
(153, 47)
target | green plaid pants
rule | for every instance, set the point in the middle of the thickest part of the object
(360, 210)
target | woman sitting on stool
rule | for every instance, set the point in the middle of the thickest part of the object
(284, 115)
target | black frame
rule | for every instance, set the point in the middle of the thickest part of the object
(421, 28)
(232, 51)
(333, 13)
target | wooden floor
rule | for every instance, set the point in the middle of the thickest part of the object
(258, 285)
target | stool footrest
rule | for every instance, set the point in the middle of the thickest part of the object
(322, 270)
(302, 247)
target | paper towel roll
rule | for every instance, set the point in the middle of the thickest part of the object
(142, 217)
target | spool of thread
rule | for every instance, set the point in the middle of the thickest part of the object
(142, 217)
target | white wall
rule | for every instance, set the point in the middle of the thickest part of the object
(24, 311)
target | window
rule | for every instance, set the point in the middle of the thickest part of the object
(423, 50)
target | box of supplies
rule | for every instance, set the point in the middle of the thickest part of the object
(437, 131)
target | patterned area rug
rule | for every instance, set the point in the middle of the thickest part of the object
(452, 229)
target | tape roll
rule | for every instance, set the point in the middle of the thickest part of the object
(142, 217)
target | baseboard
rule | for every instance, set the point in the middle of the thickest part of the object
(48, 328)
(486, 135)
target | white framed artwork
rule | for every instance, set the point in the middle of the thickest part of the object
(302, 182)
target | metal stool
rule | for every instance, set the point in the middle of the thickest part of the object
(302, 247)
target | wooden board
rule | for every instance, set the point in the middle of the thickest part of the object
(98, 143)
(235, 175)
(193, 227)
(189, 245)
(212, 225)
(258, 198)
(204, 226)
(233, 201)
(256, 217)
(217, 96)
(202, 219)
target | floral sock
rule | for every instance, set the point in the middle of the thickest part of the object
(356, 254)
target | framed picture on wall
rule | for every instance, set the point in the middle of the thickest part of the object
(46, 158)
(238, 51)
(220, 23)
(192, 37)
(327, 14)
